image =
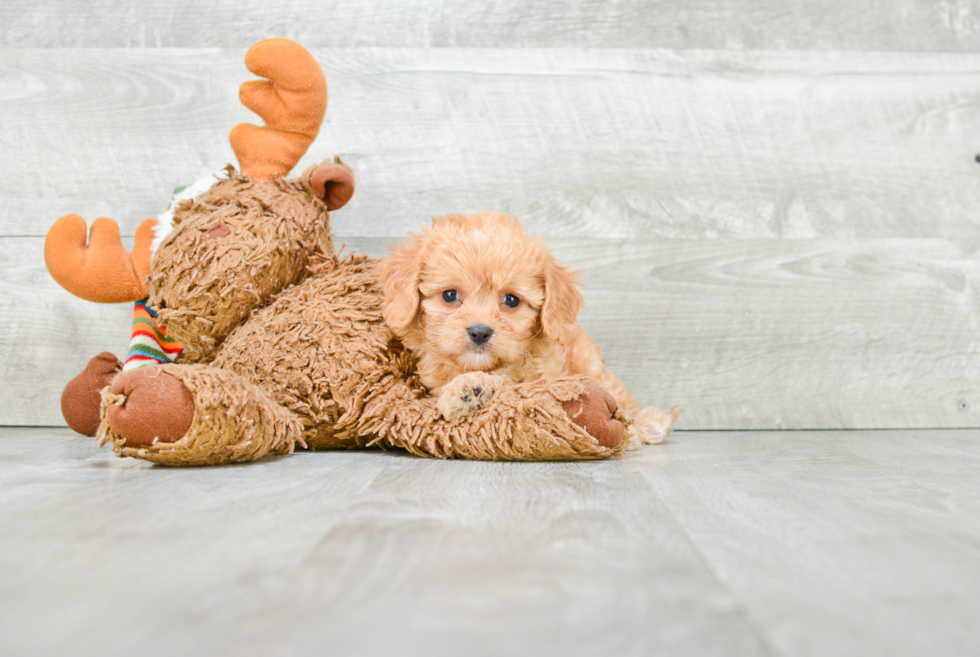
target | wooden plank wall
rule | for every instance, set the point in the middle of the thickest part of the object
(775, 204)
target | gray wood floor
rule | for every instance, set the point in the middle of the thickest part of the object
(760, 543)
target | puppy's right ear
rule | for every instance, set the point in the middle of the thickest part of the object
(401, 273)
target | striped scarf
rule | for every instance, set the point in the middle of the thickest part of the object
(149, 344)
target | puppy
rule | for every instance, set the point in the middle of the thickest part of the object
(479, 302)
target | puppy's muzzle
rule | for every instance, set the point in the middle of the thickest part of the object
(479, 334)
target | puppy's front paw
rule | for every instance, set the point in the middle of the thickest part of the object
(467, 393)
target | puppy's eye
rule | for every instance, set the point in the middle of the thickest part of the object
(511, 301)
(450, 296)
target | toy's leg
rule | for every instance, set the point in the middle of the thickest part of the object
(595, 411)
(193, 415)
(81, 398)
(149, 406)
(557, 420)
(650, 424)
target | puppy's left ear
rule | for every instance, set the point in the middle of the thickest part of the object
(562, 302)
(401, 273)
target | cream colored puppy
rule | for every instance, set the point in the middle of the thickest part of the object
(478, 302)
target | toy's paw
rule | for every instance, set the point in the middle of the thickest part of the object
(467, 393)
(651, 425)
(81, 398)
(154, 407)
(593, 411)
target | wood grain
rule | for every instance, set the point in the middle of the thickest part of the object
(609, 143)
(753, 334)
(722, 543)
(48, 335)
(368, 553)
(921, 25)
(784, 334)
(780, 239)
(838, 543)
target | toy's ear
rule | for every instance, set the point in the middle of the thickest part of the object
(562, 301)
(401, 273)
(332, 182)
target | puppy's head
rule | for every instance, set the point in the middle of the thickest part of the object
(477, 291)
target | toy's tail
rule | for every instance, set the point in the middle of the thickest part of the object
(103, 271)
(292, 101)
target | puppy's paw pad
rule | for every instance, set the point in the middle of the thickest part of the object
(467, 394)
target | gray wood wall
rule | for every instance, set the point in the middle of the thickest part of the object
(775, 204)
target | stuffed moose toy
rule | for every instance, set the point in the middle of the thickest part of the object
(251, 335)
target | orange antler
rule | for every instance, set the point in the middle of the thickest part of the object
(291, 101)
(103, 271)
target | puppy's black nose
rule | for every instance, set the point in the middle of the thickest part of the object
(479, 334)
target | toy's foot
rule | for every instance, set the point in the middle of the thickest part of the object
(156, 407)
(593, 411)
(82, 396)
(193, 415)
(467, 393)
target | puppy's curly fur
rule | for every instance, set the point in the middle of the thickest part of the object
(478, 301)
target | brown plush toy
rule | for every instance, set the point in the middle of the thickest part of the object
(281, 341)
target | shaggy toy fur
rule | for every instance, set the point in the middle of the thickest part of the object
(319, 367)
(230, 251)
(285, 343)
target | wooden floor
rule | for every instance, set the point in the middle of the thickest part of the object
(756, 543)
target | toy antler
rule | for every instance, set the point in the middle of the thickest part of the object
(292, 101)
(103, 271)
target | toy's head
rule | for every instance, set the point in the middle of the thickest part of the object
(237, 240)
